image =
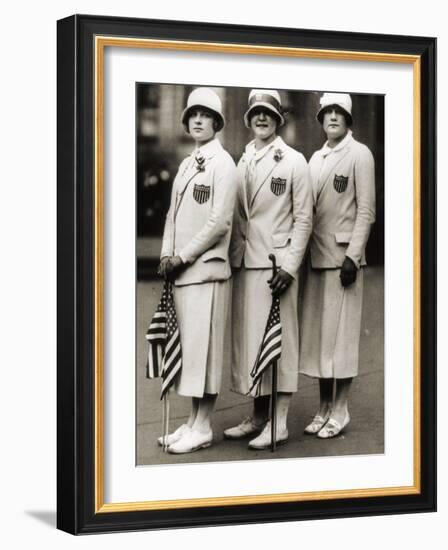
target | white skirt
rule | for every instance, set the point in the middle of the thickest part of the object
(203, 318)
(251, 302)
(330, 325)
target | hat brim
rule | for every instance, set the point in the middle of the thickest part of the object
(186, 112)
(267, 106)
(320, 113)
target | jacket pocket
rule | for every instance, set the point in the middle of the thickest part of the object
(343, 238)
(280, 240)
(213, 255)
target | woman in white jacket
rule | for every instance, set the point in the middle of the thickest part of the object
(273, 215)
(343, 180)
(195, 256)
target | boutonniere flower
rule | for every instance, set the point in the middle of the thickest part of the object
(200, 160)
(278, 155)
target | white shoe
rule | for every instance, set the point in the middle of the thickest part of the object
(263, 441)
(175, 436)
(247, 427)
(333, 428)
(191, 441)
(317, 423)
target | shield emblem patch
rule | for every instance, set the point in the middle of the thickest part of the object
(201, 193)
(340, 183)
(278, 186)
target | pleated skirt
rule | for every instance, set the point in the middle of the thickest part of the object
(251, 303)
(203, 318)
(330, 324)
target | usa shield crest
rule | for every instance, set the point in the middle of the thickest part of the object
(340, 183)
(201, 193)
(278, 186)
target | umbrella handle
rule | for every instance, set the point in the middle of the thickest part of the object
(274, 264)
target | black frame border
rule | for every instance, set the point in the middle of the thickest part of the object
(76, 264)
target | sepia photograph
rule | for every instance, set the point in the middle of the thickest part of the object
(260, 273)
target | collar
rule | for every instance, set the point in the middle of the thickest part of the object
(251, 152)
(208, 150)
(326, 150)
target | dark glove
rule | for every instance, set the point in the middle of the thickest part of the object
(161, 270)
(176, 263)
(280, 282)
(348, 272)
(174, 267)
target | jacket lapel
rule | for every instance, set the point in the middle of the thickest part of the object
(208, 152)
(267, 164)
(331, 164)
(242, 189)
(264, 170)
(190, 173)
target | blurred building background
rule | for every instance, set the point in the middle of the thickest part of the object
(162, 144)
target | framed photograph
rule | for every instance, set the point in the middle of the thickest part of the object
(246, 274)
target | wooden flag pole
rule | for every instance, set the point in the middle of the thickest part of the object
(274, 381)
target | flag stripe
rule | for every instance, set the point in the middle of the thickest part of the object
(170, 356)
(154, 360)
(160, 353)
(264, 350)
(172, 361)
(168, 382)
(156, 338)
(156, 333)
(171, 344)
(169, 375)
(156, 326)
(272, 335)
(276, 346)
(269, 357)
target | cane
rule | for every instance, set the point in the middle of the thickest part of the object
(274, 381)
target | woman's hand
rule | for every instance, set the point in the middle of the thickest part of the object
(161, 270)
(176, 263)
(280, 282)
(173, 267)
(348, 272)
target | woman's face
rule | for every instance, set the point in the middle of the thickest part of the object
(263, 123)
(200, 125)
(334, 123)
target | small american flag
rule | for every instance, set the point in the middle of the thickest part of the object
(164, 354)
(271, 345)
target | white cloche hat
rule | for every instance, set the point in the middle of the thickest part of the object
(204, 97)
(344, 101)
(270, 99)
